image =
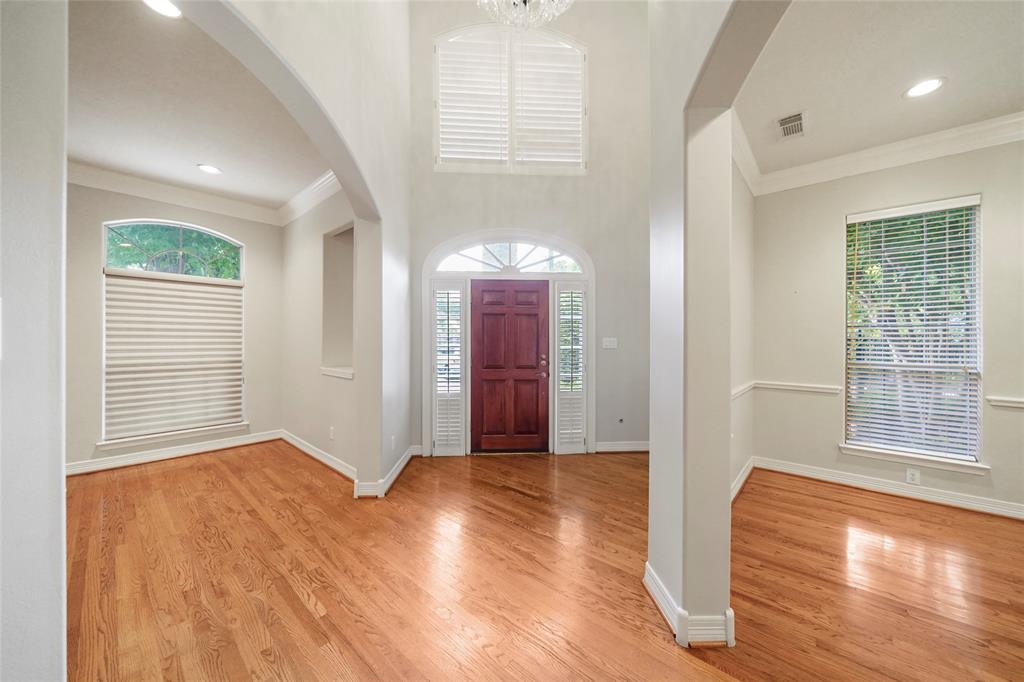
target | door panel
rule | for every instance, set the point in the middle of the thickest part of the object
(510, 365)
(492, 396)
(526, 340)
(492, 352)
(525, 404)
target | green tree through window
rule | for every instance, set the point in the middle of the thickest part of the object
(172, 248)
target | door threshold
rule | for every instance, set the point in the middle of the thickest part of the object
(487, 453)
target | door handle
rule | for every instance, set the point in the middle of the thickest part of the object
(542, 375)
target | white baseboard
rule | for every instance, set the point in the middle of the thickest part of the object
(622, 446)
(973, 502)
(670, 610)
(341, 466)
(381, 487)
(686, 628)
(117, 461)
(741, 478)
(715, 628)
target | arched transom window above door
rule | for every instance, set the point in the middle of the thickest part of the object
(510, 257)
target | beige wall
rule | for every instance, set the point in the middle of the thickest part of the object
(741, 308)
(603, 212)
(799, 284)
(311, 403)
(87, 210)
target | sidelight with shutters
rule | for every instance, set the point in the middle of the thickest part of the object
(448, 352)
(570, 394)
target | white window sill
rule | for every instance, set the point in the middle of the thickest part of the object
(928, 461)
(338, 372)
(170, 437)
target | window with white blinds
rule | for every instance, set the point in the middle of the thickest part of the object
(172, 341)
(509, 101)
(449, 406)
(913, 330)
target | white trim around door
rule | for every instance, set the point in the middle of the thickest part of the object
(448, 395)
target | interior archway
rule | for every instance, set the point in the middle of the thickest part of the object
(229, 28)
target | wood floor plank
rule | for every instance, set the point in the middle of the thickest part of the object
(833, 582)
(257, 563)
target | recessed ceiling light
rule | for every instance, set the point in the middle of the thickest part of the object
(925, 87)
(164, 7)
(207, 168)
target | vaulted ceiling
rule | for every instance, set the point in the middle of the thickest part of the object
(153, 97)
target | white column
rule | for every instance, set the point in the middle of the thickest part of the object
(681, 37)
(33, 58)
(707, 370)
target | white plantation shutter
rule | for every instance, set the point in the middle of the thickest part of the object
(509, 102)
(449, 400)
(913, 337)
(173, 355)
(549, 106)
(473, 98)
(570, 397)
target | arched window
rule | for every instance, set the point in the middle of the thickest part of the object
(510, 101)
(172, 248)
(509, 256)
(172, 330)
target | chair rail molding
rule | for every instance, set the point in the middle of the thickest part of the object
(827, 389)
(998, 401)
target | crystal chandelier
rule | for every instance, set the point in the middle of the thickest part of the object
(524, 14)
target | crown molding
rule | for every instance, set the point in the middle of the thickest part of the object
(306, 199)
(966, 138)
(122, 183)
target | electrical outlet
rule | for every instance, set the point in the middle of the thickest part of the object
(914, 476)
(392, 443)
(330, 433)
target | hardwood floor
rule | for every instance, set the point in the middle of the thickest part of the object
(831, 582)
(256, 562)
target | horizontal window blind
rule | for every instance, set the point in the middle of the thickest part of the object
(509, 101)
(473, 98)
(548, 103)
(173, 356)
(913, 332)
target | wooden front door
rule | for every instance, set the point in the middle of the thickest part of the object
(510, 366)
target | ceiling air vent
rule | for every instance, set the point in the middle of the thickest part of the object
(791, 126)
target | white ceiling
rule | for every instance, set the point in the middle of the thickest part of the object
(152, 97)
(846, 65)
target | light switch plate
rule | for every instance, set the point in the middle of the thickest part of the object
(609, 342)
